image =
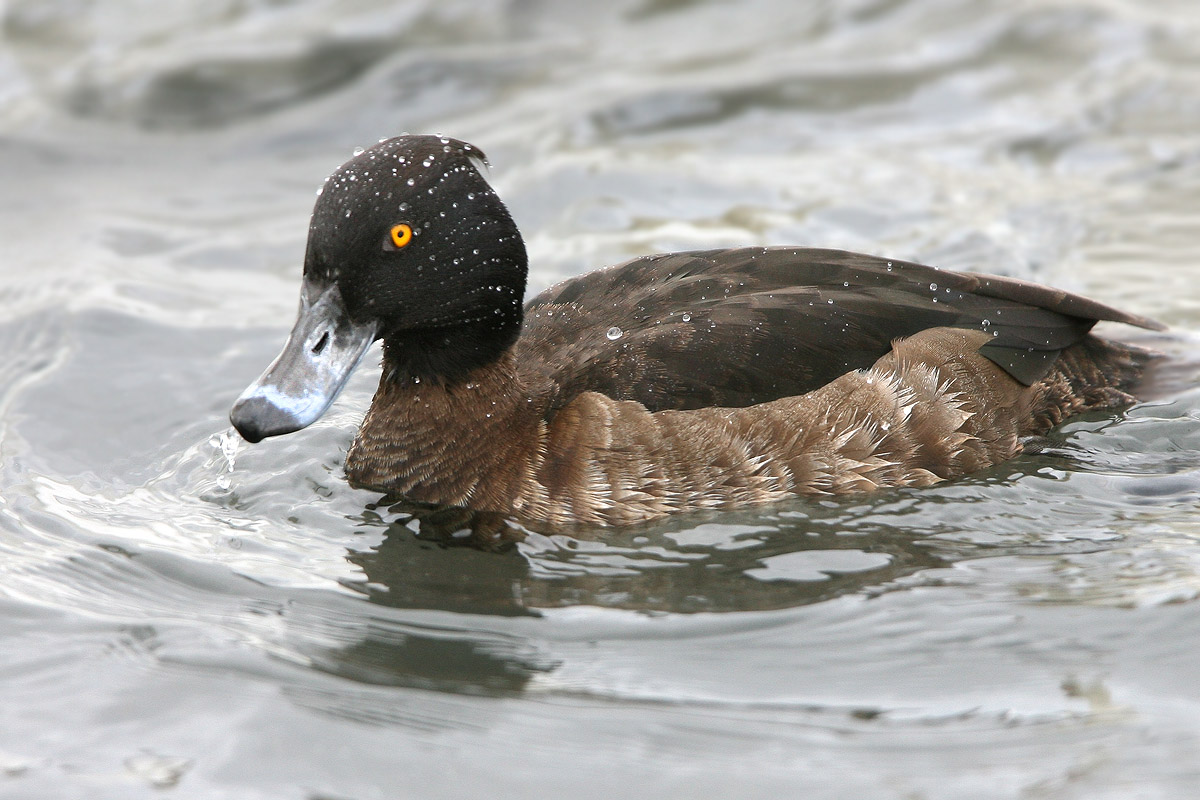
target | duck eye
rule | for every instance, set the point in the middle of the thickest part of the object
(400, 235)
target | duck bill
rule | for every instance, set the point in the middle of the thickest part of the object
(323, 349)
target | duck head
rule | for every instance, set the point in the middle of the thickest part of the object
(408, 243)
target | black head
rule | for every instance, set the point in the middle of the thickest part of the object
(416, 240)
(407, 243)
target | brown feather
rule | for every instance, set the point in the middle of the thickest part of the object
(766, 323)
(931, 409)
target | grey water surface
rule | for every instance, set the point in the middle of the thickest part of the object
(183, 615)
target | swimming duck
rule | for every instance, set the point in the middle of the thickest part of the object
(706, 379)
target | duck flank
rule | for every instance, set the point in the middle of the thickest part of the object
(933, 409)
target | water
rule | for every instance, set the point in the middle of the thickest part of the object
(184, 615)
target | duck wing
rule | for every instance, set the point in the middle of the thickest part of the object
(742, 326)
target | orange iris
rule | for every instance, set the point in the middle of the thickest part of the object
(401, 234)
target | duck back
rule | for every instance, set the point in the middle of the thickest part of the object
(735, 328)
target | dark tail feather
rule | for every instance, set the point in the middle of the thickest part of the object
(1091, 374)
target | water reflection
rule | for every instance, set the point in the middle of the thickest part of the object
(458, 560)
(455, 661)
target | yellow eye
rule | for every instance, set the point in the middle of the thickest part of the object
(401, 234)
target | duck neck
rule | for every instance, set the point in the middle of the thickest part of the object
(448, 355)
(469, 441)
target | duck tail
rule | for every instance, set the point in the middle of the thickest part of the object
(1089, 375)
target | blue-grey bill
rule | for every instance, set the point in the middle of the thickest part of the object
(323, 349)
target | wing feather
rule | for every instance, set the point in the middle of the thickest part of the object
(738, 327)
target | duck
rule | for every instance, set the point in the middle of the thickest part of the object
(709, 379)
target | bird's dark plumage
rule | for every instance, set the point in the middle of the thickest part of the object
(748, 325)
(702, 379)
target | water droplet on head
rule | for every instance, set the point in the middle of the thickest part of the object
(687, 317)
(410, 182)
(987, 323)
(933, 287)
(614, 333)
(358, 151)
